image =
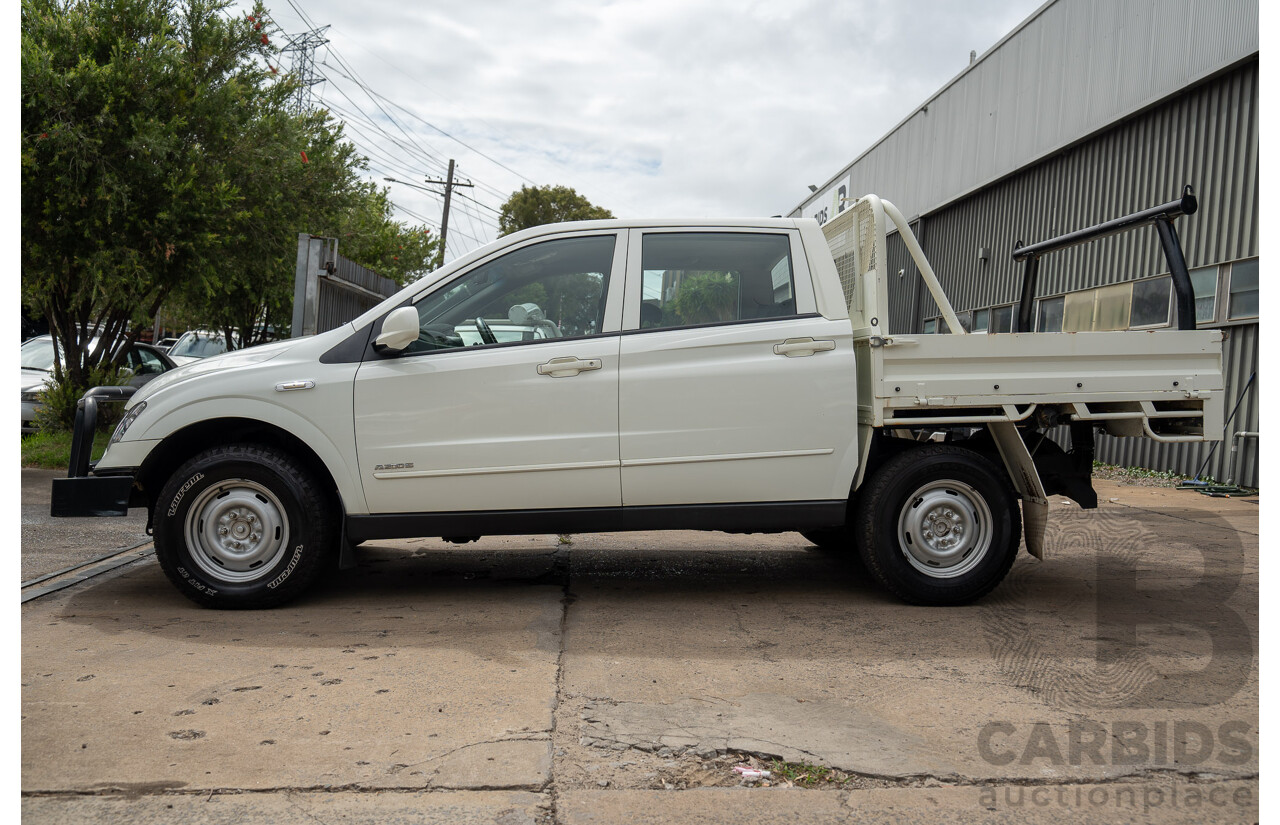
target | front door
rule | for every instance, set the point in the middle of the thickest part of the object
(509, 398)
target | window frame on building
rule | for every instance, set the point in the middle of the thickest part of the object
(1168, 309)
(1232, 293)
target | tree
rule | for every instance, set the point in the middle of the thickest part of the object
(538, 205)
(134, 117)
(162, 164)
(367, 234)
(253, 295)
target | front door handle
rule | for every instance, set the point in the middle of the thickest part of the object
(795, 347)
(568, 365)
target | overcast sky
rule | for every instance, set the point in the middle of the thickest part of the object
(695, 108)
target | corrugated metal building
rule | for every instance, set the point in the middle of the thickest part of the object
(1087, 111)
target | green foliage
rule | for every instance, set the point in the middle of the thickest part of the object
(1113, 472)
(58, 399)
(162, 164)
(51, 450)
(805, 774)
(706, 297)
(538, 205)
(367, 235)
(134, 115)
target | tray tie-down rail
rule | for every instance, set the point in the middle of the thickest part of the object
(1162, 216)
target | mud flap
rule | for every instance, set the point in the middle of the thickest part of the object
(1035, 519)
(1026, 480)
(346, 550)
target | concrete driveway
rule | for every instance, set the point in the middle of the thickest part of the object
(615, 677)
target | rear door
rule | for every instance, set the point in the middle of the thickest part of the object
(733, 388)
(474, 416)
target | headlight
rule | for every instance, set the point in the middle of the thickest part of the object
(123, 426)
(32, 397)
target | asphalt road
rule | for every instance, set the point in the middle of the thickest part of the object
(623, 676)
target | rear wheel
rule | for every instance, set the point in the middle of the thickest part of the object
(243, 526)
(938, 525)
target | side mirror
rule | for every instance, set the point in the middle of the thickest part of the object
(399, 330)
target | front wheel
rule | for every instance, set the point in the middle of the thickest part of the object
(243, 526)
(938, 525)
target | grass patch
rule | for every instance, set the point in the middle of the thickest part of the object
(805, 775)
(1112, 472)
(51, 449)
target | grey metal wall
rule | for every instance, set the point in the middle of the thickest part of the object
(339, 303)
(1072, 68)
(1206, 136)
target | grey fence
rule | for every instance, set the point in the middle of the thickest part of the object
(329, 290)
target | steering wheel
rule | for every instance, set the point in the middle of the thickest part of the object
(486, 334)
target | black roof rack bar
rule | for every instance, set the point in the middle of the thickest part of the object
(1162, 216)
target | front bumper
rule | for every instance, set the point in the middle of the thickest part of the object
(91, 496)
(80, 494)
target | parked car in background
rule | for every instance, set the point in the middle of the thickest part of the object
(195, 344)
(166, 343)
(143, 360)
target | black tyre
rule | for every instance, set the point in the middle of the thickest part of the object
(938, 525)
(243, 526)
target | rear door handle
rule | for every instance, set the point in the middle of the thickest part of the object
(796, 347)
(567, 366)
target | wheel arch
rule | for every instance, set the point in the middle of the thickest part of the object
(885, 447)
(186, 442)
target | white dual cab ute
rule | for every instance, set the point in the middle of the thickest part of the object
(732, 375)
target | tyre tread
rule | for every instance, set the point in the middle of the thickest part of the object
(312, 498)
(870, 501)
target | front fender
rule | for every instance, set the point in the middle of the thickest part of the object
(323, 421)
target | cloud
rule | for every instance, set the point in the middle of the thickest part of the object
(657, 108)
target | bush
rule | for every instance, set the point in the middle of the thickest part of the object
(58, 401)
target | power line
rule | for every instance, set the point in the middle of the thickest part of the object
(414, 152)
(460, 141)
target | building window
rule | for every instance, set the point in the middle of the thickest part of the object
(1111, 310)
(981, 320)
(1242, 302)
(1002, 319)
(1077, 311)
(931, 326)
(1204, 282)
(1150, 303)
(1050, 315)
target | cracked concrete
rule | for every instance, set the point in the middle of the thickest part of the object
(449, 684)
(769, 725)
(527, 680)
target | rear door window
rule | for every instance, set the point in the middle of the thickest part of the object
(696, 278)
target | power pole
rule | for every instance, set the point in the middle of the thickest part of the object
(449, 185)
(302, 48)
